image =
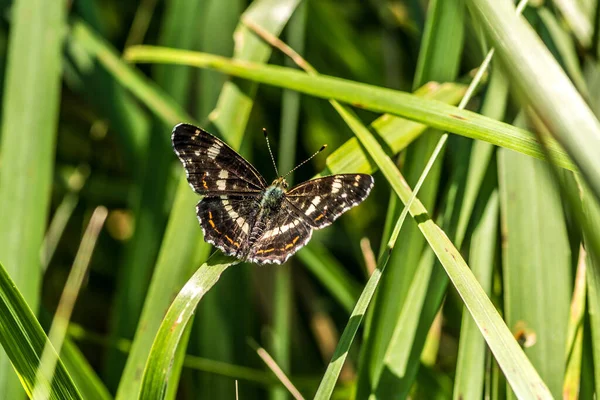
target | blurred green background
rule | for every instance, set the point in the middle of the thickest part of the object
(84, 127)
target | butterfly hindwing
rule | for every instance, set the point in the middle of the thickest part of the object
(227, 221)
(281, 236)
(211, 166)
(321, 201)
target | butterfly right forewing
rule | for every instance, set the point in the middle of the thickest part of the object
(211, 166)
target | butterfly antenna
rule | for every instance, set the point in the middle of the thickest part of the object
(270, 152)
(307, 160)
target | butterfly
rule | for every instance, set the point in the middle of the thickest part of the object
(245, 217)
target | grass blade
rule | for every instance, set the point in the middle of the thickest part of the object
(470, 366)
(158, 369)
(23, 339)
(536, 249)
(557, 102)
(434, 114)
(30, 113)
(58, 330)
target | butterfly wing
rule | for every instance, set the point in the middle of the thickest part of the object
(227, 221)
(281, 236)
(211, 166)
(321, 201)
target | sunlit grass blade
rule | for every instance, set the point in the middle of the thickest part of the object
(536, 249)
(592, 212)
(434, 114)
(470, 365)
(341, 352)
(30, 113)
(411, 294)
(58, 330)
(23, 339)
(277, 371)
(62, 215)
(571, 384)
(517, 368)
(397, 132)
(158, 369)
(557, 102)
(577, 20)
(566, 49)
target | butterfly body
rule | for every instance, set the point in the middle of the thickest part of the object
(246, 218)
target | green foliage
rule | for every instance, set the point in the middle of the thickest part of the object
(471, 270)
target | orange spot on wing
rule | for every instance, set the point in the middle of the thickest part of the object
(204, 182)
(291, 244)
(265, 251)
(236, 244)
(212, 224)
(319, 217)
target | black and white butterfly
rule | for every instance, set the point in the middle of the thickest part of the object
(247, 218)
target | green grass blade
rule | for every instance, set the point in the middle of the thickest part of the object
(23, 339)
(566, 49)
(470, 366)
(592, 213)
(158, 369)
(520, 373)
(577, 20)
(433, 114)
(571, 384)
(536, 250)
(62, 316)
(528, 62)
(397, 132)
(408, 297)
(30, 111)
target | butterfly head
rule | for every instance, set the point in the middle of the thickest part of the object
(280, 182)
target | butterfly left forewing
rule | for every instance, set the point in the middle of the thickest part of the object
(211, 166)
(321, 201)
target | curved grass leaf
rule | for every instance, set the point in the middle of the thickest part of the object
(23, 339)
(434, 114)
(158, 369)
